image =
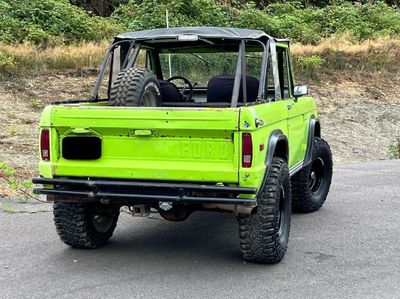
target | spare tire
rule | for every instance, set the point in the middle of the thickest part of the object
(135, 87)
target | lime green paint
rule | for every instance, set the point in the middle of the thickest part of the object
(298, 122)
(282, 45)
(273, 115)
(176, 144)
(293, 123)
(45, 118)
(144, 143)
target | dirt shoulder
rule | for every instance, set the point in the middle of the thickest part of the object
(360, 116)
(22, 102)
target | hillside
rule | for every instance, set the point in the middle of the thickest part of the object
(348, 54)
(359, 117)
(55, 22)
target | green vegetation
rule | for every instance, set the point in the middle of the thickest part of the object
(8, 208)
(39, 36)
(54, 22)
(311, 25)
(305, 25)
(51, 22)
(151, 14)
(394, 149)
(13, 186)
(309, 66)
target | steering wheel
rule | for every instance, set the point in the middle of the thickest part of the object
(187, 90)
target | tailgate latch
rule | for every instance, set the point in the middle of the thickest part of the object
(143, 133)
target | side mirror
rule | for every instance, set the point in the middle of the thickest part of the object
(300, 90)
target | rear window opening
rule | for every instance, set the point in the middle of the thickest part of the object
(211, 75)
(81, 148)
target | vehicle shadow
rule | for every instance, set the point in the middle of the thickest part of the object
(201, 233)
(206, 238)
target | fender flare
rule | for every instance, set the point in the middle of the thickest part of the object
(275, 137)
(314, 130)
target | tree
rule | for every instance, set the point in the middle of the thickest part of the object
(102, 8)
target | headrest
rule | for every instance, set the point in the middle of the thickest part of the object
(169, 92)
(220, 88)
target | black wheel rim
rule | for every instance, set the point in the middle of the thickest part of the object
(281, 211)
(316, 175)
(149, 99)
(102, 222)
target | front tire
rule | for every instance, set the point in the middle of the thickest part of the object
(264, 234)
(85, 226)
(311, 185)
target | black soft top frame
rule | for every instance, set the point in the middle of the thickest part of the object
(201, 32)
(217, 38)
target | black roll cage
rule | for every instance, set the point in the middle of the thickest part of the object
(269, 48)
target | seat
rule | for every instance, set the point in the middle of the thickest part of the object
(169, 92)
(220, 88)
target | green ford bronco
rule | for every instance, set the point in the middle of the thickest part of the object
(183, 120)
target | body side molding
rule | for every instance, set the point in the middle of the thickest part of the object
(296, 168)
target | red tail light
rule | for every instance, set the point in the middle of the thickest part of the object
(247, 150)
(45, 144)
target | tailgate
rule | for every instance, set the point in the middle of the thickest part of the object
(184, 144)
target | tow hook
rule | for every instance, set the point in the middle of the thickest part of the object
(165, 205)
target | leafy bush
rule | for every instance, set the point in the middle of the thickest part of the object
(308, 66)
(152, 14)
(312, 25)
(7, 63)
(394, 149)
(49, 22)
(364, 21)
(290, 20)
(13, 186)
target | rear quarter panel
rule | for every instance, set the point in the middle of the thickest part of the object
(302, 110)
(274, 116)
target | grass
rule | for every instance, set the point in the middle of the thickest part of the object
(13, 130)
(36, 103)
(8, 208)
(394, 148)
(12, 186)
(342, 54)
(27, 59)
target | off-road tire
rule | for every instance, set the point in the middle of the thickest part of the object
(135, 87)
(309, 196)
(76, 227)
(264, 234)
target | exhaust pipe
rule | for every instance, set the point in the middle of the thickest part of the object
(237, 209)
